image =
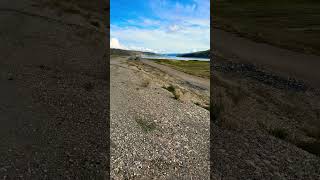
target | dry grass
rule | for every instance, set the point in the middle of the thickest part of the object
(177, 93)
(248, 104)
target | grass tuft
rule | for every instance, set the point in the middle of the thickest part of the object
(169, 88)
(146, 126)
(177, 93)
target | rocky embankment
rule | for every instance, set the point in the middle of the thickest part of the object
(157, 132)
(267, 126)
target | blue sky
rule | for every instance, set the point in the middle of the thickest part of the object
(162, 26)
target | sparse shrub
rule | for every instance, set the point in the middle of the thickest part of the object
(147, 126)
(177, 93)
(169, 88)
(207, 107)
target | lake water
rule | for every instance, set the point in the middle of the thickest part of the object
(173, 58)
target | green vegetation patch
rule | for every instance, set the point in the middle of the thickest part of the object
(197, 68)
(146, 126)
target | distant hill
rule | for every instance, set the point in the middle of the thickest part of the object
(128, 52)
(172, 54)
(199, 54)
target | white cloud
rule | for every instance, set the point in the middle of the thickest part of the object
(174, 28)
(114, 43)
(160, 40)
(144, 49)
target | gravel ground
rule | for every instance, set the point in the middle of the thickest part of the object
(237, 154)
(153, 135)
(262, 118)
(53, 96)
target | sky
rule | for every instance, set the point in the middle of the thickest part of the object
(160, 26)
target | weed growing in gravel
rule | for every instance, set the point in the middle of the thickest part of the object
(147, 126)
(207, 107)
(177, 94)
(175, 91)
(169, 88)
(279, 133)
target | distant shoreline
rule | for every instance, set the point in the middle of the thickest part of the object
(161, 57)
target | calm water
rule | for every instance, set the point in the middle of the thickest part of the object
(173, 58)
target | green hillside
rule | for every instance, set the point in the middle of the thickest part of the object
(199, 54)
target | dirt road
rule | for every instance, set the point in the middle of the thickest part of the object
(193, 80)
(281, 61)
(154, 135)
